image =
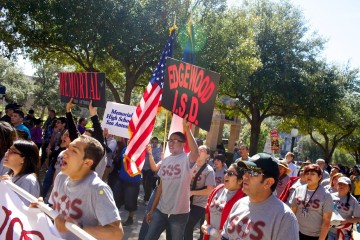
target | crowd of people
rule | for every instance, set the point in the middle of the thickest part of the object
(258, 197)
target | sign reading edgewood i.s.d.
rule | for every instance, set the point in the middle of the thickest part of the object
(83, 87)
(189, 89)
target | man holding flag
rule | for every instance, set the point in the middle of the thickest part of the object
(172, 200)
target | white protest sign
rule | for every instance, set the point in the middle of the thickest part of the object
(17, 221)
(117, 117)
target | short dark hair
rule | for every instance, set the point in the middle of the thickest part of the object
(181, 135)
(19, 112)
(81, 120)
(93, 150)
(155, 138)
(53, 111)
(269, 175)
(313, 168)
(220, 157)
(31, 111)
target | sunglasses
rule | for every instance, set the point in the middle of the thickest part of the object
(252, 173)
(230, 174)
(13, 151)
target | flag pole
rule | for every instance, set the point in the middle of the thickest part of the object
(166, 120)
(80, 233)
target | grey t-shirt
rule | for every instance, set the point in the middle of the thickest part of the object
(268, 220)
(206, 178)
(353, 210)
(282, 184)
(219, 175)
(320, 203)
(217, 206)
(295, 185)
(156, 152)
(29, 183)
(175, 174)
(89, 201)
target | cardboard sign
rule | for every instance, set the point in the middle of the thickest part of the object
(274, 137)
(117, 117)
(83, 87)
(189, 89)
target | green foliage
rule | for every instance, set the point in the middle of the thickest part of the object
(19, 88)
(343, 158)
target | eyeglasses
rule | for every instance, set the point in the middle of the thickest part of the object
(13, 151)
(252, 173)
(230, 174)
(174, 141)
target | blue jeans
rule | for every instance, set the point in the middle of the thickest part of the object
(332, 236)
(176, 223)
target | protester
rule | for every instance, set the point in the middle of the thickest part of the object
(8, 135)
(289, 157)
(332, 186)
(294, 183)
(261, 214)
(355, 179)
(172, 201)
(36, 133)
(322, 165)
(202, 184)
(312, 205)
(126, 191)
(348, 208)
(335, 169)
(48, 129)
(22, 158)
(81, 197)
(244, 153)
(220, 202)
(110, 146)
(81, 125)
(236, 154)
(9, 110)
(29, 119)
(17, 121)
(219, 168)
(284, 177)
(147, 173)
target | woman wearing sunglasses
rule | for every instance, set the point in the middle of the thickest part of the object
(220, 202)
(22, 158)
(312, 205)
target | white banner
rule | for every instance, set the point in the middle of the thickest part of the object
(117, 117)
(17, 221)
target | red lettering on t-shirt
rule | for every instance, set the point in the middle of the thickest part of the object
(64, 205)
(171, 170)
(245, 227)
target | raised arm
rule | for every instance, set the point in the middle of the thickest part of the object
(73, 132)
(153, 165)
(194, 152)
(98, 132)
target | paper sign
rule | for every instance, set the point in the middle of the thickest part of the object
(117, 117)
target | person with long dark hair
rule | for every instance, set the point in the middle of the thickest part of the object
(221, 200)
(8, 135)
(348, 208)
(23, 160)
(312, 205)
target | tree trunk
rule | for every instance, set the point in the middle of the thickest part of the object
(130, 83)
(113, 91)
(255, 132)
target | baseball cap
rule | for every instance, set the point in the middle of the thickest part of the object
(345, 180)
(262, 162)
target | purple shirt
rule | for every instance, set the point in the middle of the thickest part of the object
(36, 134)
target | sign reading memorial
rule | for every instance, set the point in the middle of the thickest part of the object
(189, 89)
(83, 87)
(117, 117)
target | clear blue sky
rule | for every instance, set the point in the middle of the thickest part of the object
(336, 20)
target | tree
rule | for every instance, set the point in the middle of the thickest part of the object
(265, 61)
(17, 84)
(93, 35)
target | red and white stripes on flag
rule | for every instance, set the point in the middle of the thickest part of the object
(142, 123)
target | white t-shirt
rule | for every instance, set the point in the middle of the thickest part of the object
(267, 220)
(294, 170)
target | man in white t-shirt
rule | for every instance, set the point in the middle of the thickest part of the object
(260, 215)
(171, 205)
(289, 157)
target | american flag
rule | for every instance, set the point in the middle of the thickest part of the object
(142, 123)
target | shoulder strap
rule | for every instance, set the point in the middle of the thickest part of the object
(193, 186)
